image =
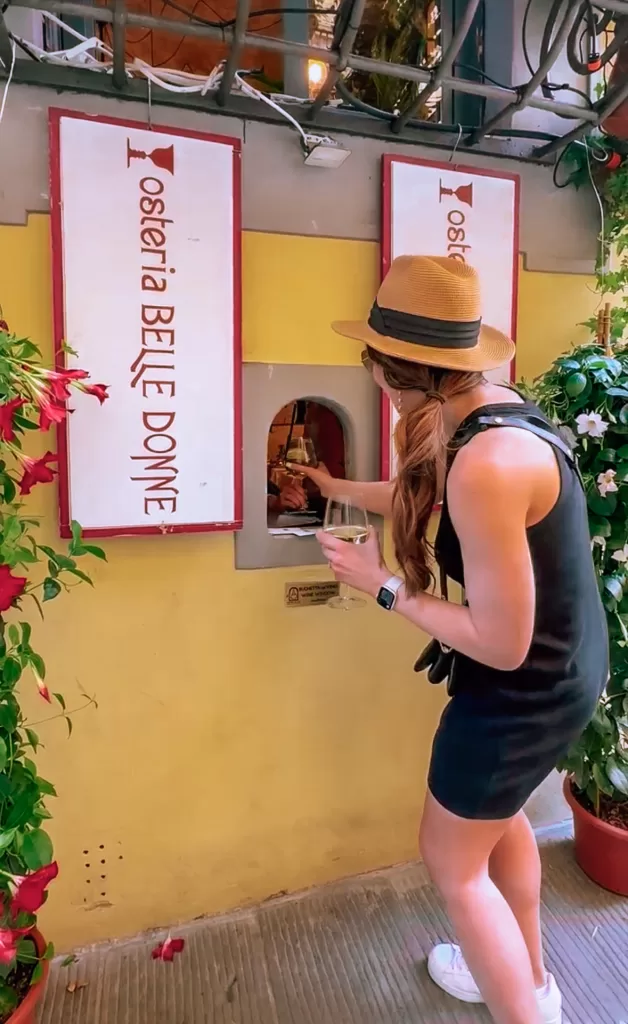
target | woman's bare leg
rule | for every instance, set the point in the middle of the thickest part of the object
(515, 867)
(456, 853)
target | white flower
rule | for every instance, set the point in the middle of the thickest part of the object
(621, 555)
(599, 541)
(591, 423)
(606, 482)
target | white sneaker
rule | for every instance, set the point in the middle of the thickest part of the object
(448, 969)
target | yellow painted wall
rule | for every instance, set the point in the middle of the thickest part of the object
(239, 748)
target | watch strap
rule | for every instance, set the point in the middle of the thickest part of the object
(394, 584)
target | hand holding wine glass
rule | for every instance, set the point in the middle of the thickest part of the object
(346, 523)
(300, 454)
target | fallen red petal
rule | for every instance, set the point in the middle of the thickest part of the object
(166, 950)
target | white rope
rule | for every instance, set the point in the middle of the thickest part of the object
(88, 54)
(9, 80)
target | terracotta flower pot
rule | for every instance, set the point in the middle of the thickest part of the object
(601, 849)
(26, 1012)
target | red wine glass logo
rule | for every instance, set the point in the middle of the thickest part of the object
(161, 157)
(464, 193)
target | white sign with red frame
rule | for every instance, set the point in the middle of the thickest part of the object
(146, 269)
(469, 214)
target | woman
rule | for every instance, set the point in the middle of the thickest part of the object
(531, 647)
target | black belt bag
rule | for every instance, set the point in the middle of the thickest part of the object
(437, 659)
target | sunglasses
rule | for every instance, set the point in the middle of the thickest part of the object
(367, 362)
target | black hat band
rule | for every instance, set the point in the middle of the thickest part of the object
(423, 330)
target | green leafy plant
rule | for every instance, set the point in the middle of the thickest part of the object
(397, 31)
(586, 392)
(32, 398)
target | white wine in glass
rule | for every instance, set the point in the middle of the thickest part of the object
(348, 523)
(301, 453)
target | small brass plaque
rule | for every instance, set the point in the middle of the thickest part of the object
(302, 595)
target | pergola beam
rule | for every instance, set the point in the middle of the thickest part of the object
(243, 8)
(340, 58)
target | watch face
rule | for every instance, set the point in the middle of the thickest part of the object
(386, 599)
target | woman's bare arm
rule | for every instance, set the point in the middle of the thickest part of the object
(373, 496)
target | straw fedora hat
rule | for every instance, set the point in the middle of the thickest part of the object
(428, 311)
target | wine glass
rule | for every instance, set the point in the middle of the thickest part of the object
(349, 523)
(300, 453)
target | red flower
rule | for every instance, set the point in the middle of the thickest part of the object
(37, 471)
(4, 326)
(30, 890)
(7, 433)
(98, 390)
(11, 587)
(59, 381)
(50, 412)
(166, 950)
(8, 943)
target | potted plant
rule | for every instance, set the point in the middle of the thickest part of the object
(32, 398)
(586, 391)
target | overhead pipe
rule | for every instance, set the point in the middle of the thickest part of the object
(602, 110)
(6, 50)
(526, 93)
(617, 6)
(301, 50)
(243, 8)
(444, 69)
(119, 44)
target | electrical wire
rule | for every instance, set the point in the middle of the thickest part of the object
(9, 80)
(578, 62)
(482, 74)
(603, 155)
(230, 22)
(577, 59)
(524, 37)
(436, 126)
(604, 268)
(248, 90)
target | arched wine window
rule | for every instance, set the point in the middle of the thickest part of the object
(305, 432)
(334, 408)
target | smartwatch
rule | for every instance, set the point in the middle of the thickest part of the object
(387, 596)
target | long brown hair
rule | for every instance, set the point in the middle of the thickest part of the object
(421, 444)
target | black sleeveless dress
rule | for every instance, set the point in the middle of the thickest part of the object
(502, 732)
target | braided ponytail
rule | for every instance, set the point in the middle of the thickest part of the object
(421, 443)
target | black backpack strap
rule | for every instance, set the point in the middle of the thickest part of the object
(528, 424)
(535, 424)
